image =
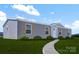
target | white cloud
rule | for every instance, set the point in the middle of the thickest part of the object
(3, 18)
(29, 9)
(47, 21)
(74, 26)
(32, 20)
(20, 17)
(57, 21)
(66, 25)
(27, 19)
(52, 12)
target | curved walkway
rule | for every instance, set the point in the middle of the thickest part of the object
(49, 48)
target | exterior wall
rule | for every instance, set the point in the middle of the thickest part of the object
(37, 30)
(69, 31)
(60, 31)
(21, 29)
(64, 32)
(10, 30)
(15, 29)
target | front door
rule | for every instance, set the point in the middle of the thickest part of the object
(54, 32)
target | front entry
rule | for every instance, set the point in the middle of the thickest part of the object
(54, 32)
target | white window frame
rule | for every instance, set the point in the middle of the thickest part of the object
(31, 29)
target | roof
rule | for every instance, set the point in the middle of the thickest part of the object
(57, 25)
(23, 20)
(8, 20)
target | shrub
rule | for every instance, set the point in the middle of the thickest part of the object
(50, 38)
(1, 37)
(24, 38)
(67, 38)
(37, 37)
(61, 38)
(75, 35)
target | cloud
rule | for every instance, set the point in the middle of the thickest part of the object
(47, 21)
(20, 17)
(52, 12)
(66, 25)
(31, 20)
(3, 18)
(29, 9)
(74, 26)
(57, 21)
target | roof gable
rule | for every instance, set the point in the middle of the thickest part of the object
(7, 21)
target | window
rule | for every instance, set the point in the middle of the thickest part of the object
(7, 28)
(68, 34)
(28, 29)
(46, 30)
(59, 33)
(53, 28)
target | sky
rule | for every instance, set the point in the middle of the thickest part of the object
(66, 14)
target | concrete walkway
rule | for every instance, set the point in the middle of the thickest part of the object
(49, 48)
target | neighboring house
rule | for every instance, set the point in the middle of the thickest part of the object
(17, 28)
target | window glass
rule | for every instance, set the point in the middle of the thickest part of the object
(46, 30)
(28, 29)
(59, 33)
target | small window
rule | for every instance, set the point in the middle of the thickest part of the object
(53, 28)
(28, 29)
(7, 29)
(59, 33)
(28, 26)
(68, 33)
(46, 30)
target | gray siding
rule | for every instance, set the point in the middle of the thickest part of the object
(37, 30)
(15, 29)
(10, 30)
(64, 32)
(21, 29)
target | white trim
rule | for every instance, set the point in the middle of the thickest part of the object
(31, 29)
(54, 32)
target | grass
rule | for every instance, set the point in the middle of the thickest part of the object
(8, 46)
(68, 46)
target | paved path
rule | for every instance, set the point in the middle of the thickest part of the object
(49, 48)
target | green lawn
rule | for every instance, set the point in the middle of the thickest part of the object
(8, 46)
(68, 46)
